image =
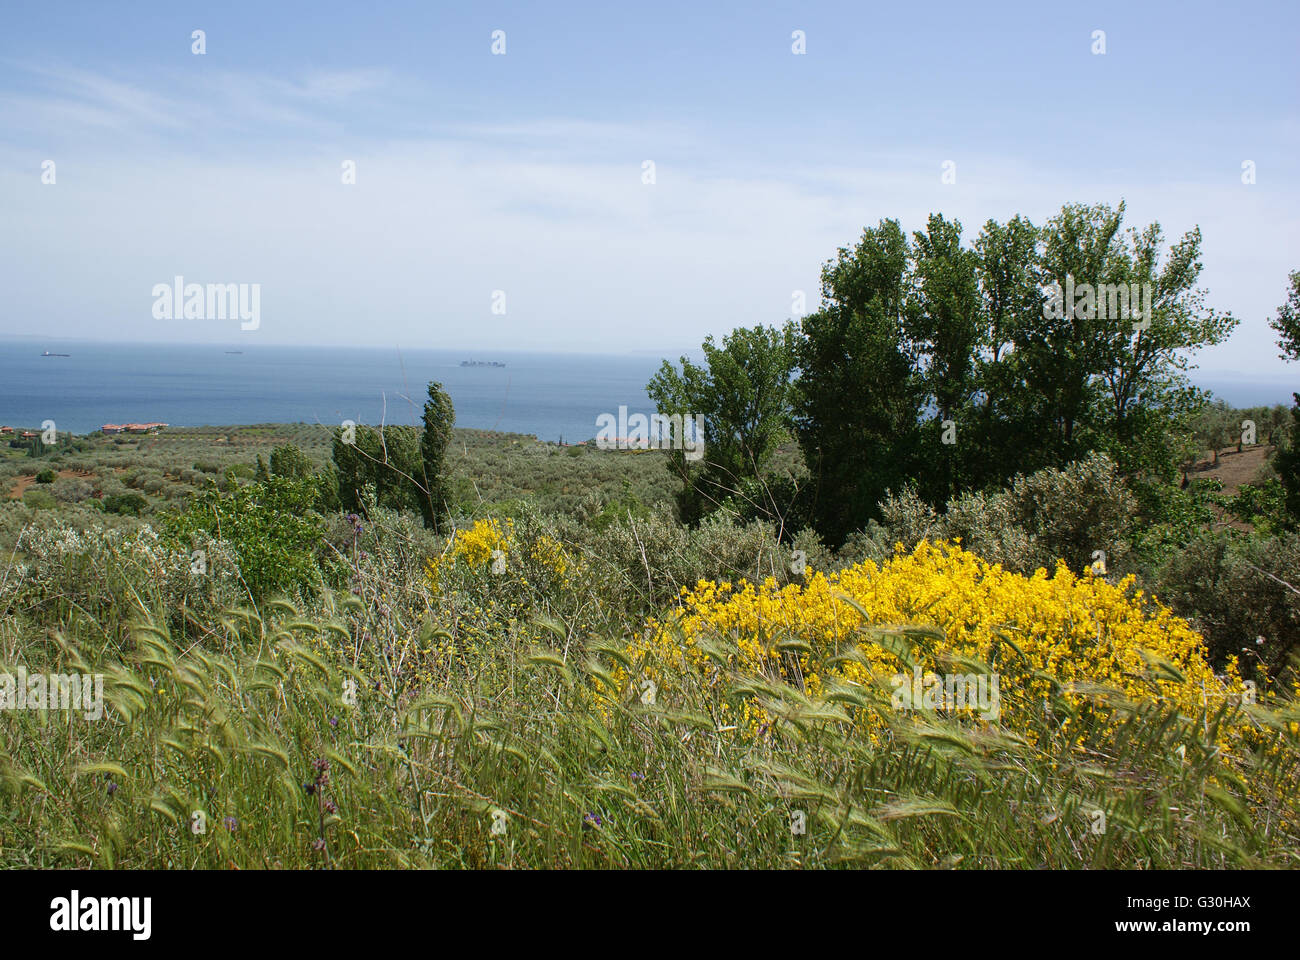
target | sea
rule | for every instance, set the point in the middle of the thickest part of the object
(552, 396)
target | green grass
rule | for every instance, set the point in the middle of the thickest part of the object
(373, 717)
(535, 757)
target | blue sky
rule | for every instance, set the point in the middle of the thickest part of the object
(523, 172)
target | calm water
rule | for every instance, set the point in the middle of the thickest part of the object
(553, 396)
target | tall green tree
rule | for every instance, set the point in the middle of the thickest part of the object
(1148, 404)
(858, 394)
(953, 367)
(1061, 351)
(743, 392)
(1005, 440)
(945, 329)
(439, 418)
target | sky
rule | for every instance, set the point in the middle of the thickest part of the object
(500, 199)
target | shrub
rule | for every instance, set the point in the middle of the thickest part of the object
(288, 461)
(1039, 634)
(1050, 515)
(72, 489)
(272, 528)
(39, 499)
(439, 417)
(127, 503)
(1234, 590)
(46, 476)
(108, 573)
(1262, 505)
(380, 464)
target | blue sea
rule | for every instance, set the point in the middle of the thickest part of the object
(553, 396)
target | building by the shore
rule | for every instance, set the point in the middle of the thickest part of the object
(150, 427)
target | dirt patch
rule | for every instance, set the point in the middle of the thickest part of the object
(21, 487)
(1234, 469)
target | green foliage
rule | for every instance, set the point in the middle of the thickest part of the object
(743, 393)
(857, 399)
(399, 467)
(623, 507)
(1262, 505)
(1051, 514)
(1241, 593)
(386, 463)
(127, 503)
(435, 495)
(1287, 464)
(1287, 320)
(46, 476)
(272, 528)
(40, 499)
(288, 461)
(1171, 516)
(969, 377)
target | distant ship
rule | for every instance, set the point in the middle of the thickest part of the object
(234, 351)
(48, 354)
(481, 363)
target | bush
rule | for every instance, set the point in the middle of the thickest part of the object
(1221, 582)
(46, 476)
(72, 489)
(1051, 515)
(288, 461)
(1033, 631)
(383, 464)
(272, 528)
(39, 499)
(132, 504)
(1262, 505)
(70, 571)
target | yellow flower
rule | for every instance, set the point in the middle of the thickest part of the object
(1036, 633)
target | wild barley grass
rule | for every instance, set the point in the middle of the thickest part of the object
(503, 720)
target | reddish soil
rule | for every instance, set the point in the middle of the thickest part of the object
(1233, 468)
(19, 488)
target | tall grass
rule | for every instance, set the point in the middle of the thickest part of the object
(538, 753)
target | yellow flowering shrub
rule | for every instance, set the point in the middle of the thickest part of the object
(1039, 635)
(474, 547)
